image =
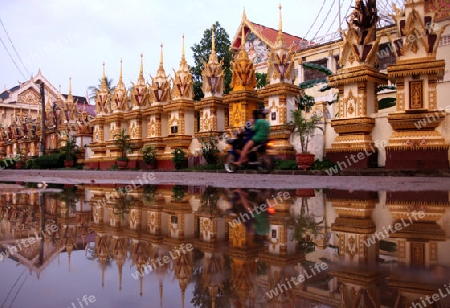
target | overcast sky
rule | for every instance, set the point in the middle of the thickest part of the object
(72, 38)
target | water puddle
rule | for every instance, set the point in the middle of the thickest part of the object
(195, 246)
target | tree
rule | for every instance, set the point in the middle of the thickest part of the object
(261, 80)
(93, 90)
(203, 50)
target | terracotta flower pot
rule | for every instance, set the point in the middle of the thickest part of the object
(20, 165)
(305, 192)
(68, 163)
(304, 160)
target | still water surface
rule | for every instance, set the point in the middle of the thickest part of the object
(177, 246)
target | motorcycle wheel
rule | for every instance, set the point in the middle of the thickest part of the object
(229, 163)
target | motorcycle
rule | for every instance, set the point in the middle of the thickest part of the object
(258, 156)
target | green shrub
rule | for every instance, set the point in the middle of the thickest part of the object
(286, 164)
(209, 150)
(322, 165)
(49, 161)
(178, 157)
(7, 163)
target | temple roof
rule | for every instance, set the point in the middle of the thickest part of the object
(441, 8)
(265, 34)
(5, 93)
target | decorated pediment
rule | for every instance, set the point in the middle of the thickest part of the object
(29, 97)
(418, 32)
(360, 43)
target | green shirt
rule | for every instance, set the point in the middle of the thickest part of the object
(262, 130)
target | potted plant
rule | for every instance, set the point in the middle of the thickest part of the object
(123, 142)
(305, 228)
(149, 153)
(20, 159)
(305, 128)
(178, 158)
(70, 150)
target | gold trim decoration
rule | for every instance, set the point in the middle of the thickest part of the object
(416, 94)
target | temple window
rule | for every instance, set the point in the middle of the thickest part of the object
(386, 56)
(309, 74)
(445, 40)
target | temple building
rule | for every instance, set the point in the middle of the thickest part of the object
(22, 118)
(196, 231)
(362, 109)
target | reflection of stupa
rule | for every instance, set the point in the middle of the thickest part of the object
(141, 229)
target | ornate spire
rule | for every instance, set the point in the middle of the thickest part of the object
(120, 72)
(103, 75)
(212, 74)
(102, 97)
(182, 83)
(159, 89)
(243, 70)
(161, 56)
(182, 49)
(280, 42)
(139, 90)
(161, 73)
(280, 23)
(141, 79)
(70, 85)
(160, 294)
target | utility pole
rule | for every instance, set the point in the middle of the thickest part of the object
(43, 136)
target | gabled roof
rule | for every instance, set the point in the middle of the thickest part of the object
(90, 109)
(79, 99)
(5, 94)
(267, 35)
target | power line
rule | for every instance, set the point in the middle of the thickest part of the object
(334, 20)
(17, 280)
(3, 43)
(18, 290)
(15, 50)
(317, 16)
(326, 17)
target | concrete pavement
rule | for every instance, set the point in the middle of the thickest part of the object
(243, 180)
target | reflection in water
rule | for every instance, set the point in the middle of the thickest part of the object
(176, 246)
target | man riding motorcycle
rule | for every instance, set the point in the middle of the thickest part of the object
(261, 129)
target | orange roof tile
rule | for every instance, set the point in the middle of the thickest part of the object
(269, 35)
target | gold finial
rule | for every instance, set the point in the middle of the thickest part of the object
(280, 24)
(161, 56)
(120, 72)
(182, 48)
(141, 70)
(213, 39)
(70, 86)
(103, 75)
(244, 15)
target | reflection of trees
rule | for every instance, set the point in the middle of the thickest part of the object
(208, 201)
(211, 274)
(305, 228)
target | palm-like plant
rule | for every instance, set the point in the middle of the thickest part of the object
(70, 148)
(304, 127)
(123, 142)
(93, 90)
